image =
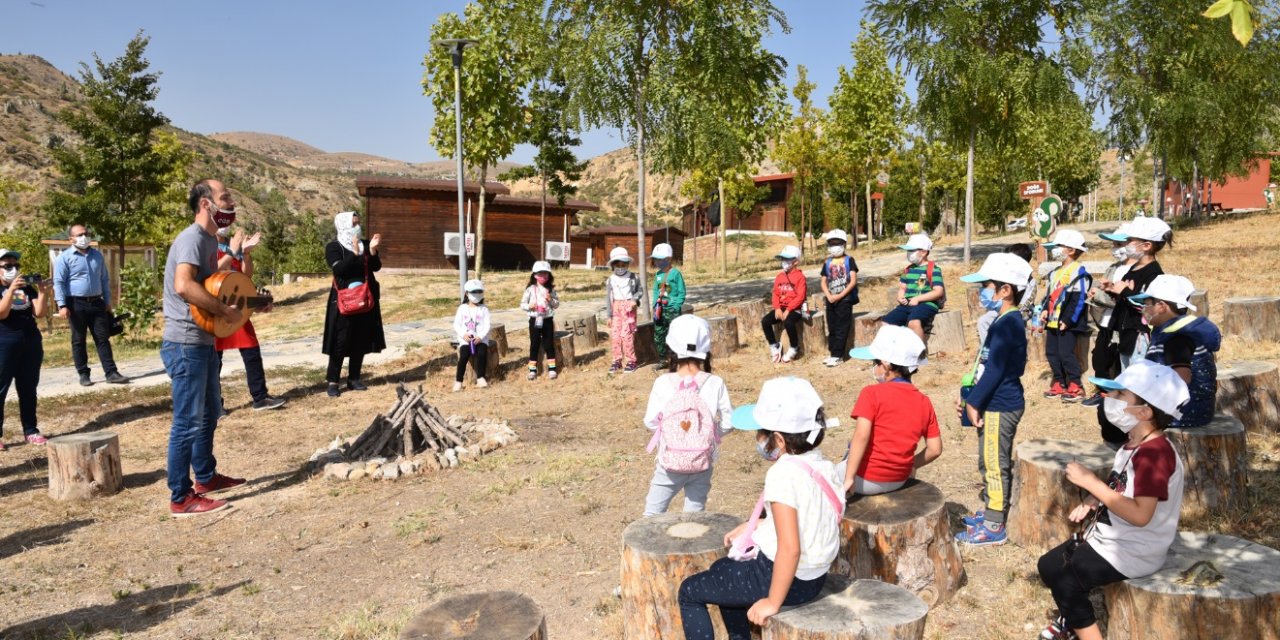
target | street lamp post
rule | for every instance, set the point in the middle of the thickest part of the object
(455, 47)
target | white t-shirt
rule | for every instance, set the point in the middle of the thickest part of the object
(473, 320)
(1152, 470)
(790, 484)
(621, 286)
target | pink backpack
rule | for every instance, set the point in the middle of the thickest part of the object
(686, 435)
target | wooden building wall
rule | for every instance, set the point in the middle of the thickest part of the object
(601, 243)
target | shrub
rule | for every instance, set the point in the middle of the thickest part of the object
(140, 289)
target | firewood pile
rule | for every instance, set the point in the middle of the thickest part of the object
(411, 426)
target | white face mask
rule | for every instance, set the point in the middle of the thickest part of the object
(1131, 251)
(1119, 253)
(915, 257)
(1116, 413)
(836, 250)
(620, 271)
(10, 274)
(355, 231)
(787, 265)
(476, 297)
(1057, 253)
(81, 241)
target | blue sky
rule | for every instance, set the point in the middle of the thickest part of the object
(341, 76)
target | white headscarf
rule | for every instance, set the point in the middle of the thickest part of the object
(346, 232)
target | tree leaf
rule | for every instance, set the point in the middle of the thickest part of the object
(1242, 22)
(1220, 8)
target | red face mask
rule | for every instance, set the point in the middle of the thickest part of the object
(541, 278)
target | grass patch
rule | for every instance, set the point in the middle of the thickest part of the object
(573, 468)
(370, 622)
(411, 523)
(505, 487)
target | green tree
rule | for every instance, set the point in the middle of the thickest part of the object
(799, 150)
(495, 76)
(306, 253)
(115, 179)
(867, 119)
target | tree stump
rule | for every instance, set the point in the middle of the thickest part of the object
(749, 315)
(1250, 391)
(565, 354)
(1216, 462)
(780, 332)
(1252, 319)
(658, 553)
(813, 333)
(891, 295)
(1200, 298)
(865, 326)
(724, 336)
(84, 465)
(947, 333)
(646, 348)
(498, 334)
(902, 537)
(1042, 496)
(1187, 599)
(852, 610)
(493, 615)
(584, 330)
(493, 365)
(1035, 347)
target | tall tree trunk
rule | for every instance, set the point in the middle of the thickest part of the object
(1195, 189)
(724, 226)
(543, 217)
(484, 175)
(643, 257)
(968, 195)
(923, 190)
(871, 233)
(853, 211)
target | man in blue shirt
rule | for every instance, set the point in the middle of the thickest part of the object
(82, 289)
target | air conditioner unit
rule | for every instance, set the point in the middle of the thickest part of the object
(452, 246)
(558, 251)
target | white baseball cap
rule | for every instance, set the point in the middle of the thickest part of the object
(541, 265)
(1168, 288)
(472, 286)
(895, 345)
(1002, 267)
(1121, 234)
(1068, 238)
(689, 337)
(916, 242)
(786, 405)
(789, 252)
(661, 251)
(1157, 385)
(837, 234)
(1149, 229)
(619, 254)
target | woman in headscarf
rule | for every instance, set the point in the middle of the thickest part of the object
(351, 336)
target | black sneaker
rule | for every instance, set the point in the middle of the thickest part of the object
(334, 390)
(1093, 400)
(85, 381)
(354, 384)
(115, 378)
(268, 402)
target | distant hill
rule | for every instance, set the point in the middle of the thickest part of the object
(304, 156)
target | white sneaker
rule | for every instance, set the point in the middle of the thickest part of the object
(481, 383)
(832, 361)
(457, 386)
(789, 355)
(552, 375)
(775, 352)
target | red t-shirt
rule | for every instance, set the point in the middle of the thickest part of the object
(245, 337)
(900, 416)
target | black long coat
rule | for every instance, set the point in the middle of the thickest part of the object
(358, 334)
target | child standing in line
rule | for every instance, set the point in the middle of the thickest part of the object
(1130, 519)
(471, 326)
(1183, 342)
(1064, 316)
(921, 292)
(892, 417)
(622, 296)
(540, 302)
(790, 289)
(688, 411)
(1102, 306)
(1022, 250)
(840, 287)
(781, 560)
(995, 403)
(668, 299)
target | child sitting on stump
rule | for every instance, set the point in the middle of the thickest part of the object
(1184, 342)
(789, 292)
(471, 325)
(921, 293)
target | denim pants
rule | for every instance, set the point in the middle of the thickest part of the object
(20, 358)
(193, 368)
(734, 586)
(666, 484)
(253, 372)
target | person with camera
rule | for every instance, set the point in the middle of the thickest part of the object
(23, 298)
(82, 289)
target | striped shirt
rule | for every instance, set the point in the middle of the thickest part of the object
(916, 277)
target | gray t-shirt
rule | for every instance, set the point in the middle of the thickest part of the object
(193, 246)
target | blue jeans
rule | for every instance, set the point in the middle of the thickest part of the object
(193, 368)
(20, 357)
(734, 586)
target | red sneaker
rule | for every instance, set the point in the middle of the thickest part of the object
(1073, 393)
(1054, 391)
(218, 483)
(194, 505)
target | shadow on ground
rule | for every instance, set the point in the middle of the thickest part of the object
(16, 543)
(130, 614)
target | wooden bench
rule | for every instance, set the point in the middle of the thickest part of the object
(1211, 586)
(494, 615)
(902, 537)
(1250, 391)
(1252, 319)
(1215, 462)
(852, 610)
(1042, 496)
(658, 553)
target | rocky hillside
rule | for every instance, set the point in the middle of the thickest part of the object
(306, 157)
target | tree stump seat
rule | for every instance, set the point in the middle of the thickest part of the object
(902, 537)
(646, 349)
(724, 336)
(493, 615)
(658, 553)
(865, 326)
(852, 610)
(1211, 586)
(493, 364)
(498, 334)
(1252, 319)
(584, 329)
(1200, 298)
(1250, 391)
(1215, 461)
(565, 353)
(749, 315)
(1041, 496)
(812, 334)
(946, 333)
(84, 465)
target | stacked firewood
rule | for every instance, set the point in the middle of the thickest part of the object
(411, 426)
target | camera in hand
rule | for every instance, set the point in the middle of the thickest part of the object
(33, 279)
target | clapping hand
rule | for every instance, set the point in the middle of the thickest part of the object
(375, 242)
(251, 242)
(237, 241)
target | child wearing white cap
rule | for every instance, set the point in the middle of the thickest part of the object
(839, 281)
(471, 324)
(622, 298)
(540, 302)
(1184, 342)
(688, 411)
(921, 292)
(1129, 520)
(1064, 317)
(668, 298)
(790, 290)
(892, 417)
(781, 560)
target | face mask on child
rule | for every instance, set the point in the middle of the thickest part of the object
(988, 299)
(475, 297)
(620, 271)
(836, 250)
(541, 278)
(876, 375)
(915, 257)
(762, 449)
(1119, 253)
(663, 263)
(1132, 251)
(1057, 253)
(787, 265)
(1117, 415)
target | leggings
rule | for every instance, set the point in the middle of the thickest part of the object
(789, 323)
(542, 340)
(335, 367)
(1070, 580)
(734, 586)
(479, 360)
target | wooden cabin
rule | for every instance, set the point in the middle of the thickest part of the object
(769, 215)
(601, 240)
(414, 216)
(1248, 192)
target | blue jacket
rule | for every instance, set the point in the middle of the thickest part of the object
(1000, 366)
(1204, 340)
